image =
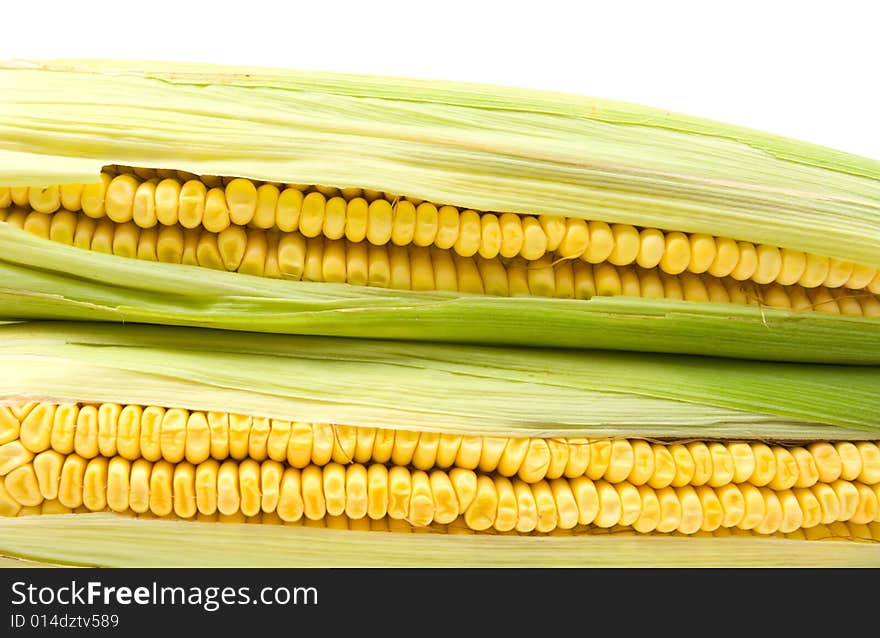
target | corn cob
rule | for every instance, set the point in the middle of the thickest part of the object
(489, 215)
(428, 215)
(316, 440)
(347, 238)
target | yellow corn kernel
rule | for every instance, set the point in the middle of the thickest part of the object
(601, 243)
(851, 460)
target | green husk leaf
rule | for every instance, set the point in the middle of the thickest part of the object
(41, 279)
(117, 541)
(484, 147)
(438, 387)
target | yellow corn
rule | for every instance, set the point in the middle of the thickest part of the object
(394, 210)
(156, 433)
(316, 233)
(190, 464)
(454, 223)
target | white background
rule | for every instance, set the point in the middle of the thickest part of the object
(807, 70)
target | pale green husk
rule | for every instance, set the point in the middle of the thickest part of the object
(486, 147)
(110, 540)
(41, 279)
(437, 387)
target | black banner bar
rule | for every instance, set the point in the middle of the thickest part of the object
(124, 602)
